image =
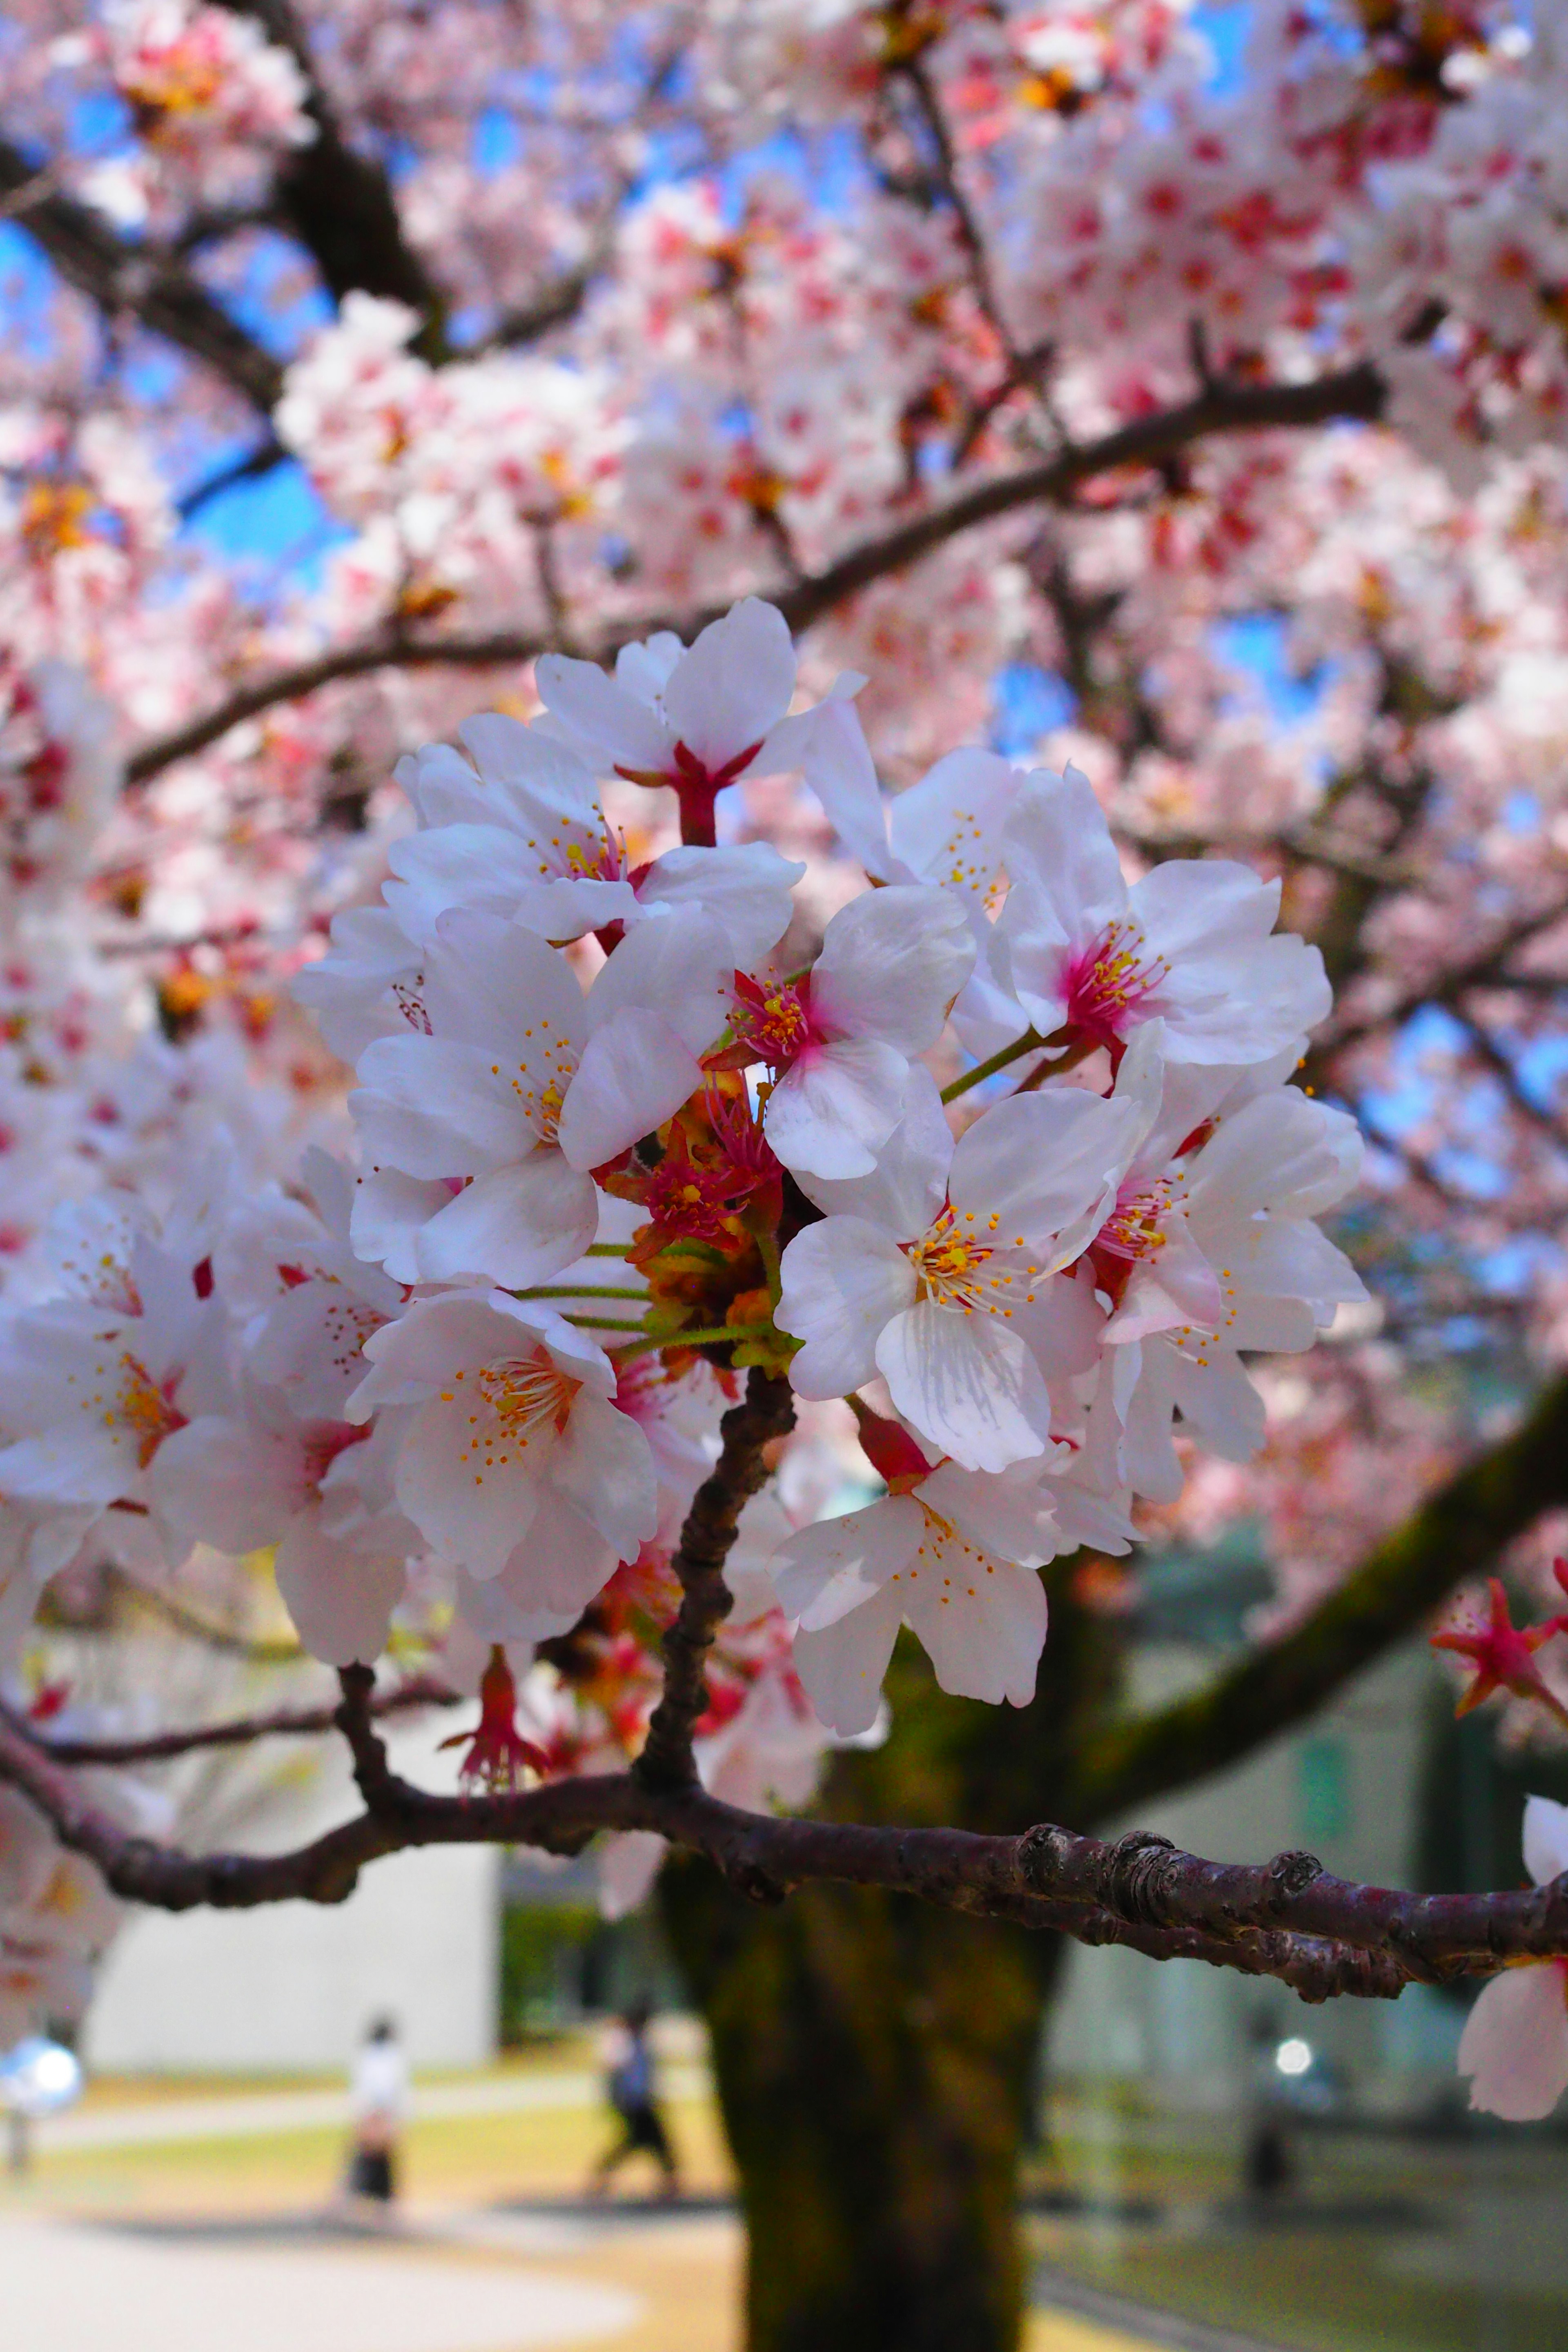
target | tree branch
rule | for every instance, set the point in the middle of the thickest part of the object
(1353, 393)
(1288, 1919)
(1455, 1533)
(705, 1540)
(297, 1722)
(163, 293)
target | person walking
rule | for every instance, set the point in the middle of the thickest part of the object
(378, 2100)
(629, 2085)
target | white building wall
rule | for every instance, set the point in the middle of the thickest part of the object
(293, 1985)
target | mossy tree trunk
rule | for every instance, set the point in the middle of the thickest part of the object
(876, 2057)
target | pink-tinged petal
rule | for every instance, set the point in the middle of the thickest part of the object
(488, 1611)
(389, 1211)
(472, 1501)
(909, 1185)
(1545, 1839)
(636, 1073)
(746, 890)
(525, 770)
(414, 1357)
(442, 788)
(231, 1484)
(1247, 1005)
(681, 971)
(520, 1225)
(1282, 1152)
(892, 961)
(566, 910)
(340, 1595)
(824, 1570)
(627, 1862)
(966, 1383)
(1012, 1516)
(843, 1281)
(735, 685)
(1223, 1409)
(613, 725)
(832, 1112)
(601, 1463)
(563, 1561)
(1067, 877)
(948, 828)
(1173, 1287)
(432, 1108)
(1515, 2043)
(1044, 1165)
(1201, 906)
(841, 1668)
(981, 1622)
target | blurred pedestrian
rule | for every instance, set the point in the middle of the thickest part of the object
(378, 2100)
(629, 2086)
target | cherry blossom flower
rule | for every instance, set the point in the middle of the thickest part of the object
(1514, 2047)
(949, 1552)
(1189, 945)
(515, 1457)
(480, 1128)
(935, 1271)
(839, 1041)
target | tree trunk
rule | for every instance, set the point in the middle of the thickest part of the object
(875, 2057)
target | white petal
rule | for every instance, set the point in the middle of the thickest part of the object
(499, 986)
(948, 828)
(602, 1464)
(892, 961)
(389, 1211)
(843, 1281)
(636, 1073)
(414, 1357)
(837, 1564)
(1067, 877)
(341, 1596)
(910, 1183)
(1545, 1839)
(1013, 1516)
(568, 908)
(468, 1503)
(621, 729)
(1044, 1165)
(432, 1108)
(1515, 2043)
(745, 888)
(967, 1383)
(1201, 906)
(981, 1622)
(627, 1863)
(231, 1484)
(829, 748)
(841, 1669)
(556, 1571)
(521, 1224)
(832, 1112)
(735, 685)
(681, 970)
(475, 865)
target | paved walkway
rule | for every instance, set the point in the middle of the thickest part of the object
(70, 2288)
(260, 2114)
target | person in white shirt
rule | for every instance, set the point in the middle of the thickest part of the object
(378, 2099)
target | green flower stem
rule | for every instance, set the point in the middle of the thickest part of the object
(719, 1334)
(1029, 1043)
(608, 1249)
(602, 1323)
(581, 1290)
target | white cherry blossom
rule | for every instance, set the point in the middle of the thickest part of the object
(1192, 944)
(935, 1271)
(515, 1460)
(480, 1129)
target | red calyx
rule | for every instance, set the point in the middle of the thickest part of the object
(497, 1753)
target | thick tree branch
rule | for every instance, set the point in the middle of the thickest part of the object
(1288, 1919)
(166, 297)
(746, 1428)
(1353, 393)
(1455, 1533)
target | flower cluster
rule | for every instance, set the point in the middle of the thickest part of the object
(628, 1126)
